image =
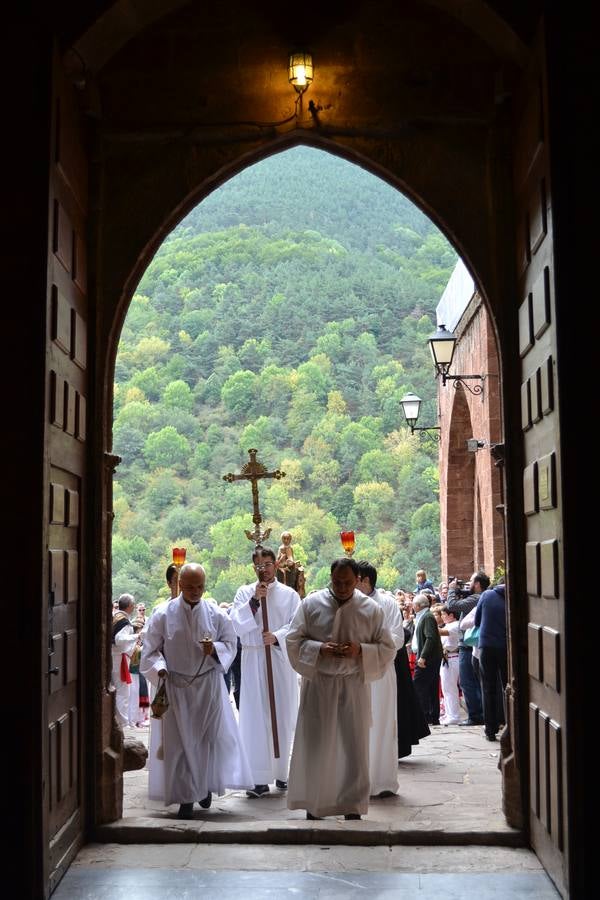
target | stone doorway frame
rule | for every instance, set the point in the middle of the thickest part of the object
(108, 806)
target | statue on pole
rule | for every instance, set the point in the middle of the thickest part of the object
(289, 571)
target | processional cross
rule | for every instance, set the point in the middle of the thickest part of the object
(252, 471)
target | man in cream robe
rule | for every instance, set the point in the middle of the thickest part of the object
(255, 715)
(192, 643)
(383, 737)
(339, 644)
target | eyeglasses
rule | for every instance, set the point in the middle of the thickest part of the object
(265, 565)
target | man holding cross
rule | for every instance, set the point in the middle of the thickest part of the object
(266, 597)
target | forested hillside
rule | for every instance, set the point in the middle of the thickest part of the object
(288, 312)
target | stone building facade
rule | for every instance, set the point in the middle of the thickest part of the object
(471, 497)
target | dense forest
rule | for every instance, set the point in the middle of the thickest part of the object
(288, 312)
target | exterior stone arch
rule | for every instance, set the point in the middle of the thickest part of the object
(458, 492)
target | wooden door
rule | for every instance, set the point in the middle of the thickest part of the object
(65, 480)
(545, 690)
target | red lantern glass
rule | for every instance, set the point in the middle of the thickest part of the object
(348, 542)
(179, 555)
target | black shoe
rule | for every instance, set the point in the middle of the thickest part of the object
(186, 811)
(282, 785)
(472, 722)
(385, 794)
(490, 737)
(351, 816)
(205, 804)
(258, 790)
(313, 818)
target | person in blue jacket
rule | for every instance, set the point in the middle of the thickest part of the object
(423, 582)
(490, 616)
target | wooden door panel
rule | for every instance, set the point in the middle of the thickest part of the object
(67, 380)
(545, 687)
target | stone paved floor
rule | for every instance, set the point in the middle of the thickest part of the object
(444, 835)
(448, 788)
(116, 872)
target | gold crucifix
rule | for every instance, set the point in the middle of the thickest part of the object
(251, 472)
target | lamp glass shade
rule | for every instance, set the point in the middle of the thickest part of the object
(442, 345)
(411, 404)
(348, 542)
(301, 71)
(179, 555)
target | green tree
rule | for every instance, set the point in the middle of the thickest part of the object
(149, 351)
(376, 465)
(342, 505)
(201, 458)
(326, 473)
(128, 442)
(132, 578)
(227, 362)
(304, 414)
(182, 522)
(313, 377)
(178, 396)
(164, 490)
(166, 448)
(253, 354)
(336, 403)
(229, 541)
(374, 503)
(136, 415)
(230, 579)
(427, 517)
(258, 434)
(355, 440)
(239, 392)
(149, 381)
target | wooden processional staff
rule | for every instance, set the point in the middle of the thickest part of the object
(252, 471)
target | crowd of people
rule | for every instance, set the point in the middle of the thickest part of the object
(473, 673)
(330, 692)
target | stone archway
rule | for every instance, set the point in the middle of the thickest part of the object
(147, 811)
(111, 798)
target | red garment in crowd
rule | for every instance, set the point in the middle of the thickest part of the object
(412, 661)
(125, 676)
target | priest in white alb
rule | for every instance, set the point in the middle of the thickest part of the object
(255, 713)
(192, 643)
(383, 737)
(339, 643)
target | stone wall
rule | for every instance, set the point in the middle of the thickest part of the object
(472, 526)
